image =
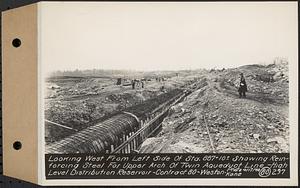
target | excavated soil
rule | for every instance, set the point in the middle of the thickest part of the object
(214, 119)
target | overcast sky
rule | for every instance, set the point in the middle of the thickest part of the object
(165, 36)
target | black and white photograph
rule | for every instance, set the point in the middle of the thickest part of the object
(151, 93)
(168, 78)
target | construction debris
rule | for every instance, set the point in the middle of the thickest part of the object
(257, 123)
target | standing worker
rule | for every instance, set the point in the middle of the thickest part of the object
(142, 84)
(243, 86)
(133, 84)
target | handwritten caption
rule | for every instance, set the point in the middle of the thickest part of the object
(97, 166)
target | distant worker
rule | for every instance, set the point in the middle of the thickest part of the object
(142, 84)
(133, 84)
(137, 83)
(243, 86)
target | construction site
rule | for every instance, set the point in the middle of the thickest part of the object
(188, 111)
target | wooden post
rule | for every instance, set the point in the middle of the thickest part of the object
(134, 143)
(128, 145)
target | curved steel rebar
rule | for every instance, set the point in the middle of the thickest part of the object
(98, 138)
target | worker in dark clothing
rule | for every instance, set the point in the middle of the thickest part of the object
(142, 84)
(133, 84)
(243, 86)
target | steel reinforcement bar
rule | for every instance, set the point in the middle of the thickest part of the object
(149, 127)
(124, 132)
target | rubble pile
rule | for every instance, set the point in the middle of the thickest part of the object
(214, 118)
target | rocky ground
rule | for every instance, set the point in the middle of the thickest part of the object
(79, 102)
(214, 118)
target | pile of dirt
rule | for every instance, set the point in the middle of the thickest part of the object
(214, 118)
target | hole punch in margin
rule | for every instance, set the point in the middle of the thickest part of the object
(16, 43)
(17, 145)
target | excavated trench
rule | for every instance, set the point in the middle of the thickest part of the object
(125, 131)
(113, 131)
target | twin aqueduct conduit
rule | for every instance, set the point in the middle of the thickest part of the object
(122, 133)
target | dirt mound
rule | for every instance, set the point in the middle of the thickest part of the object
(214, 118)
